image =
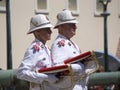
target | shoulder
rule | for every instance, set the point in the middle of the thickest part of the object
(59, 42)
(35, 47)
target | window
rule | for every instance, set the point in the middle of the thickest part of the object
(98, 8)
(2, 6)
(41, 6)
(73, 5)
(119, 8)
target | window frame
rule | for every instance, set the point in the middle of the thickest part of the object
(43, 11)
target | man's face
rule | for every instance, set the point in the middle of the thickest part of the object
(69, 30)
(44, 34)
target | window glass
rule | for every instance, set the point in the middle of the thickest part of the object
(2, 5)
(98, 8)
(42, 4)
(72, 4)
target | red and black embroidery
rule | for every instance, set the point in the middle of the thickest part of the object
(36, 47)
(61, 43)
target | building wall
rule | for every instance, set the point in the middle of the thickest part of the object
(89, 34)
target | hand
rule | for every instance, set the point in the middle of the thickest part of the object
(77, 68)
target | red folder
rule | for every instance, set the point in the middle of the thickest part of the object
(64, 67)
(54, 69)
(80, 57)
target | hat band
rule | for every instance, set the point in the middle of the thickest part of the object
(41, 25)
(67, 19)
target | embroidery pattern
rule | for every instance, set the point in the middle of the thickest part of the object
(61, 43)
(40, 64)
(36, 47)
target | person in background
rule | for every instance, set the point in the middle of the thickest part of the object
(63, 47)
(38, 56)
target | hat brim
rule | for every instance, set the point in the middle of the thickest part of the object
(40, 27)
(60, 23)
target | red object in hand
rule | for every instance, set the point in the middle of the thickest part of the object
(54, 69)
(80, 57)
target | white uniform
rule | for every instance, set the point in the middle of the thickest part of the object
(37, 56)
(62, 49)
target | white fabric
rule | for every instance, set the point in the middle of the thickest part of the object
(37, 56)
(77, 68)
(60, 53)
(62, 49)
(65, 16)
(39, 21)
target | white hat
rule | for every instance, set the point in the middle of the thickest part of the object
(38, 22)
(65, 16)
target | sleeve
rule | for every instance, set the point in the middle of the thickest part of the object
(78, 68)
(26, 72)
